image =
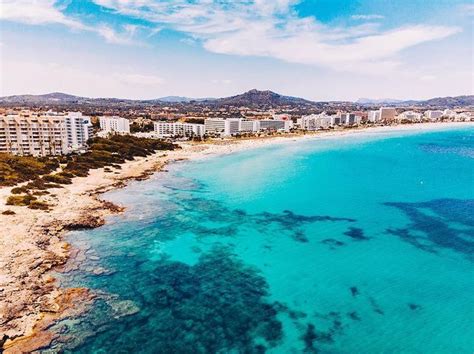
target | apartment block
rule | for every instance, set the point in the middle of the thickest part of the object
(177, 129)
(28, 133)
(387, 114)
(114, 125)
(373, 116)
(79, 130)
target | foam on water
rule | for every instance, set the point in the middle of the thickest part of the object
(356, 245)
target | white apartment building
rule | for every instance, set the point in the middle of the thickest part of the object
(433, 115)
(215, 126)
(79, 129)
(373, 116)
(411, 116)
(114, 125)
(177, 129)
(349, 119)
(28, 133)
(249, 126)
(387, 114)
(276, 124)
(222, 127)
(316, 121)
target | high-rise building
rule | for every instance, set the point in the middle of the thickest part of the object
(433, 115)
(28, 133)
(79, 130)
(178, 129)
(114, 125)
(373, 116)
(387, 114)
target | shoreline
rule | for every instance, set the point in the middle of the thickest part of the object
(33, 240)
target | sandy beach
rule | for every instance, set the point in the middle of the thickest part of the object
(31, 241)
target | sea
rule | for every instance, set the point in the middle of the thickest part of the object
(357, 244)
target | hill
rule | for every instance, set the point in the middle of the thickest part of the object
(254, 98)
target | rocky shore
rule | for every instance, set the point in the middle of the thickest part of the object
(31, 241)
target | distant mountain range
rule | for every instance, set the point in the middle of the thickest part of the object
(252, 98)
(181, 99)
(377, 101)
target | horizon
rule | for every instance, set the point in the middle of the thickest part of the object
(317, 50)
(375, 100)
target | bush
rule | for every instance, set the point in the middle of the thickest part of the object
(57, 178)
(20, 200)
(19, 190)
(8, 212)
(35, 204)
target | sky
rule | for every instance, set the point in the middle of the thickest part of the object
(315, 49)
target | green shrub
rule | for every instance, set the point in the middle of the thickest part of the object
(20, 200)
(57, 178)
(19, 190)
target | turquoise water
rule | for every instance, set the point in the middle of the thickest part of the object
(363, 244)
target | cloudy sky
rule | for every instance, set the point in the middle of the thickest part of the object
(316, 49)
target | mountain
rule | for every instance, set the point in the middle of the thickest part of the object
(53, 97)
(450, 101)
(377, 101)
(254, 98)
(181, 99)
(440, 102)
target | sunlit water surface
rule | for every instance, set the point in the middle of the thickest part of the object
(362, 244)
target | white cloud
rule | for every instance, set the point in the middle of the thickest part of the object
(367, 17)
(41, 12)
(139, 79)
(41, 77)
(466, 9)
(272, 29)
(265, 28)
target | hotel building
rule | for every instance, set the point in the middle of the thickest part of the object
(28, 133)
(387, 114)
(177, 129)
(373, 116)
(276, 124)
(79, 129)
(114, 125)
(411, 116)
(222, 127)
(433, 115)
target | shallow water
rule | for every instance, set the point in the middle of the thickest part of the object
(361, 244)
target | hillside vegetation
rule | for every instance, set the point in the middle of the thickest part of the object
(52, 172)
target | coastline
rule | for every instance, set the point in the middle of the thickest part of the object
(34, 244)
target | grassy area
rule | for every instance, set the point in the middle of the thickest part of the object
(41, 174)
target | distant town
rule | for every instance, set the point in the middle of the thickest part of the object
(38, 130)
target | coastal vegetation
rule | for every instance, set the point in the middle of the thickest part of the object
(53, 172)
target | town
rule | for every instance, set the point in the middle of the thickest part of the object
(43, 133)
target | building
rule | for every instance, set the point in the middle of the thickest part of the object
(249, 126)
(222, 127)
(316, 121)
(349, 119)
(177, 129)
(114, 125)
(387, 114)
(232, 126)
(433, 115)
(373, 116)
(28, 133)
(275, 125)
(79, 129)
(214, 126)
(411, 116)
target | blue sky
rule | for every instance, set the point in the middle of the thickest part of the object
(317, 49)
